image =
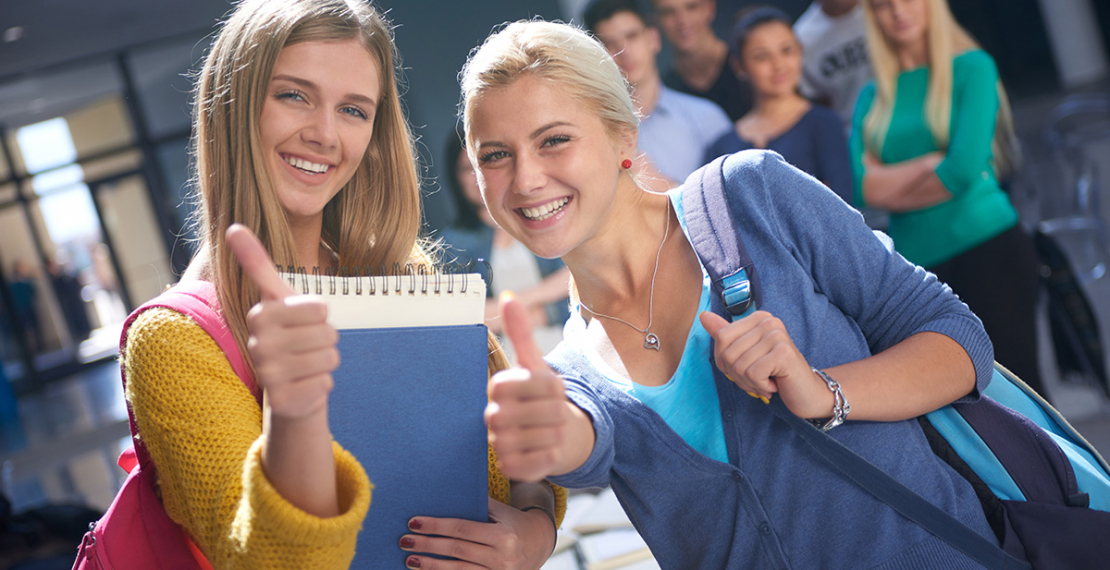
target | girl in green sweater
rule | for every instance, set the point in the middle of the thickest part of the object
(930, 137)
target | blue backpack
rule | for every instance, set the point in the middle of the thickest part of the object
(1044, 489)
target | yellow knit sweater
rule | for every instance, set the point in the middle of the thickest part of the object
(203, 430)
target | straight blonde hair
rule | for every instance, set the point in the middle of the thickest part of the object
(946, 38)
(560, 53)
(563, 54)
(372, 223)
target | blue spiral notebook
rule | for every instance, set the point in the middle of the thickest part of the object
(408, 399)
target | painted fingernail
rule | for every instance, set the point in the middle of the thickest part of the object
(415, 524)
(407, 542)
(412, 562)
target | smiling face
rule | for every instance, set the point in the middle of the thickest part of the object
(633, 45)
(772, 59)
(904, 23)
(686, 23)
(549, 169)
(317, 121)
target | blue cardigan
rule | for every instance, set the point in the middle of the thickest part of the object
(843, 294)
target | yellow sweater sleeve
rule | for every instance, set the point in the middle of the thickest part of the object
(203, 430)
(499, 488)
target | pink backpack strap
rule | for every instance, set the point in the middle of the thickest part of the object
(198, 300)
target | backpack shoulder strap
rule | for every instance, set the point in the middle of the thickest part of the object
(898, 496)
(715, 236)
(198, 300)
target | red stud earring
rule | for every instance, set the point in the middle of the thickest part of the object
(626, 163)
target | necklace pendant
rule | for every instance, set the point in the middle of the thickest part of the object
(651, 341)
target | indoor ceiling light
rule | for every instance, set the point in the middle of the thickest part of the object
(12, 34)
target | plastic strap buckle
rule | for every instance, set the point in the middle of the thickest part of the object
(736, 294)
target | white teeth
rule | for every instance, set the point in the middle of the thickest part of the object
(306, 165)
(544, 211)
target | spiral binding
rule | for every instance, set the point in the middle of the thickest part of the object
(399, 280)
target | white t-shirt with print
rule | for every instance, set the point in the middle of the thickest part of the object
(836, 65)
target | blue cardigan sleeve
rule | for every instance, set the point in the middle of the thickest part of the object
(859, 271)
(595, 471)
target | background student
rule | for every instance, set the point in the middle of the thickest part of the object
(930, 139)
(768, 56)
(836, 66)
(700, 65)
(676, 129)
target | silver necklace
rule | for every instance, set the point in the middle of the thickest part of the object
(651, 341)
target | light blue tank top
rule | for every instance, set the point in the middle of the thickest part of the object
(688, 401)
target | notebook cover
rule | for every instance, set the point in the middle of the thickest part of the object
(408, 403)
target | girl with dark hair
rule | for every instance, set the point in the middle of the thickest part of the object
(768, 55)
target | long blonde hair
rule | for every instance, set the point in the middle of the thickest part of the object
(945, 39)
(371, 224)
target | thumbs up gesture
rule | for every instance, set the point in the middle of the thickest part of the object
(535, 430)
(291, 343)
(758, 355)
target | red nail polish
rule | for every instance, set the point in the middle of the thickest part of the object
(415, 524)
(412, 562)
(407, 542)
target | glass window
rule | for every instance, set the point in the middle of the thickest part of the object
(136, 236)
(100, 126)
(128, 160)
(78, 94)
(69, 230)
(36, 316)
(5, 170)
(46, 145)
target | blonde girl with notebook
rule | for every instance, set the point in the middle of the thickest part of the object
(300, 139)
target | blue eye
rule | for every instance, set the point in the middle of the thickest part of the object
(355, 112)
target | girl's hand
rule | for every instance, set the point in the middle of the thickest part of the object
(294, 352)
(533, 427)
(513, 539)
(291, 343)
(757, 354)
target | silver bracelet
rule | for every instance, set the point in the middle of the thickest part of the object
(841, 407)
